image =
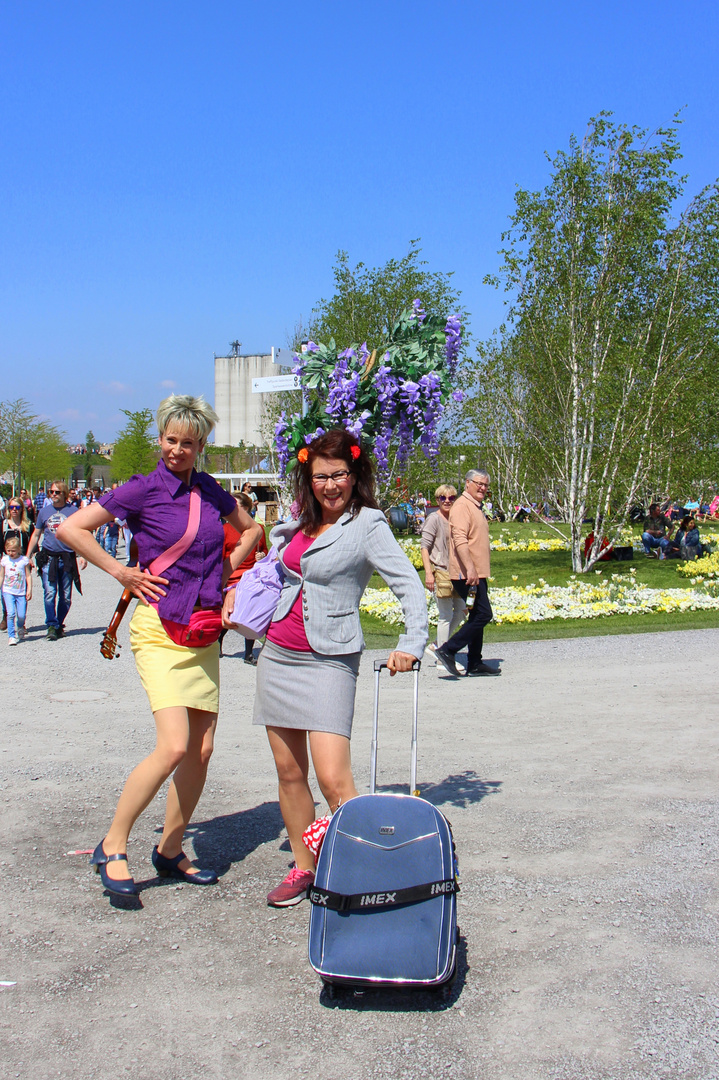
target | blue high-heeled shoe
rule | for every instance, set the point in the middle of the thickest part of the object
(170, 868)
(123, 886)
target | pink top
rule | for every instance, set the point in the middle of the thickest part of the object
(289, 633)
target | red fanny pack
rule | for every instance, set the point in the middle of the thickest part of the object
(203, 629)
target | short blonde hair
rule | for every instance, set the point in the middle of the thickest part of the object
(445, 489)
(13, 541)
(188, 413)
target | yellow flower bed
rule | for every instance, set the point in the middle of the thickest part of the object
(708, 566)
(618, 595)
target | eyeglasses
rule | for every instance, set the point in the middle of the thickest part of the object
(57, 492)
(15, 506)
(446, 498)
(480, 483)
(339, 478)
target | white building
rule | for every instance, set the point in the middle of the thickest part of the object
(238, 409)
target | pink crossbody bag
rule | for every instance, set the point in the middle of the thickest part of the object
(204, 627)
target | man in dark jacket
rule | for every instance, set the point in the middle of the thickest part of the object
(654, 534)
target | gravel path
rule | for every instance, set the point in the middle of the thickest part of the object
(582, 789)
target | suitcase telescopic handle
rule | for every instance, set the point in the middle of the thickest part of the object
(378, 665)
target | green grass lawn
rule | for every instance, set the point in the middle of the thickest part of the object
(555, 568)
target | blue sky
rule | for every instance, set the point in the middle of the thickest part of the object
(176, 175)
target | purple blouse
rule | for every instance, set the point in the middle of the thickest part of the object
(157, 509)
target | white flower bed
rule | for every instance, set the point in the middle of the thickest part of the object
(620, 595)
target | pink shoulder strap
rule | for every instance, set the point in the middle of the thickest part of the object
(163, 562)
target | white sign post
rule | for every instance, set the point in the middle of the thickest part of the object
(274, 383)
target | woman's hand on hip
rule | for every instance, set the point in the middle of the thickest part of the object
(400, 661)
(147, 587)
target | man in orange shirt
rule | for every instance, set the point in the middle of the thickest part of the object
(469, 568)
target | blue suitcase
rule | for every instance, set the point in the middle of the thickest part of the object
(384, 907)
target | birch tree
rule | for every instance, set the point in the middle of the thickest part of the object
(612, 329)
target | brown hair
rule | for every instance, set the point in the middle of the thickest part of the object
(244, 500)
(335, 443)
(63, 488)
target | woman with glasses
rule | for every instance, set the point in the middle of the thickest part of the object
(15, 526)
(307, 670)
(435, 559)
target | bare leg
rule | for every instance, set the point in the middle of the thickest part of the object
(289, 748)
(187, 784)
(333, 765)
(145, 781)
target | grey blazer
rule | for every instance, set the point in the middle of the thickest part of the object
(335, 572)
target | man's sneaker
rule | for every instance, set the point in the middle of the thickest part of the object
(292, 890)
(446, 659)
(52, 634)
(482, 669)
(61, 631)
(12, 641)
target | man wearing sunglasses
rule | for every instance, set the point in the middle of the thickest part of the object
(57, 563)
(469, 568)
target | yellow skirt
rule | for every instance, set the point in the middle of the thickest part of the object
(173, 674)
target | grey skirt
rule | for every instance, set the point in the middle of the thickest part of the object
(305, 690)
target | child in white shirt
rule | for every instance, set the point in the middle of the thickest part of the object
(16, 586)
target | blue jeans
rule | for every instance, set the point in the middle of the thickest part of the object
(16, 607)
(59, 593)
(650, 542)
(111, 544)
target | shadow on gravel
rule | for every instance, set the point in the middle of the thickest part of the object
(228, 839)
(461, 789)
(407, 1001)
(83, 631)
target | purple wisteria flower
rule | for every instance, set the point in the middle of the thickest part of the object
(453, 331)
(381, 449)
(314, 435)
(418, 312)
(282, 443)
(457, 395)
(355, 426)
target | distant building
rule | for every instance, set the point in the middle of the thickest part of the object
(238, 409)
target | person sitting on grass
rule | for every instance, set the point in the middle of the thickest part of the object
(654, 533)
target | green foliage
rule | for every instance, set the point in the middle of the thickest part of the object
(368, 301)
(405, 389)
(590, 395)
(31, 449)
(135, 450)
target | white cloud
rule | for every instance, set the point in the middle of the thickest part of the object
(168, 384)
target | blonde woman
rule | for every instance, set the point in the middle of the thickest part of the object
(15, 526)
(435, 559)
(181, 681)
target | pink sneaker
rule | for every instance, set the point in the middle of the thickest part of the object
(292, 890)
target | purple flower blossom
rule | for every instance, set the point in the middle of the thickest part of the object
(453, 332)
(418, 312)
(457, 395)
(282, 443)
(310, 347)
(381, 450)
(314, 435)
(355, 426)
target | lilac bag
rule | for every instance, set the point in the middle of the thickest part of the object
(257, 596)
